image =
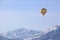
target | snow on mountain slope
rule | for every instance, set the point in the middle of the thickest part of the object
(21, 33)
(54, 34)
(50, 29)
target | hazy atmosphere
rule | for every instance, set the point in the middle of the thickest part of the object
(16, 14)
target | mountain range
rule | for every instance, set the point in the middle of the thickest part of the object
(51, 35)
(20, 34)
(3, 38)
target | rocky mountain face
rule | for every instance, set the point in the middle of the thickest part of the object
(19, 34)
(51, 35)
(3, 38)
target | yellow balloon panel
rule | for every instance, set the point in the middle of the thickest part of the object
(43, 11)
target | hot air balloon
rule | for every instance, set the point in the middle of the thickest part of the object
(43, 11)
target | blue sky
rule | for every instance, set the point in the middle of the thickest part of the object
(15, 14)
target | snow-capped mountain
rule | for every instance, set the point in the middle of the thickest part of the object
(50, 29)
(21, 33)
(3, 38)
(51, 35)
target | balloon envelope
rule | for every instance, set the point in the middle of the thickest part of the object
(43, 11)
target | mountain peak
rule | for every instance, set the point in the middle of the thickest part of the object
(20, 33)
(51, 28)
(54, 34)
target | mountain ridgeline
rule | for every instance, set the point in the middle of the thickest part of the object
(52, 35)
(19, 34)
(24, 34)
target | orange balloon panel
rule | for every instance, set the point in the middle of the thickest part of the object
(43, 11)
